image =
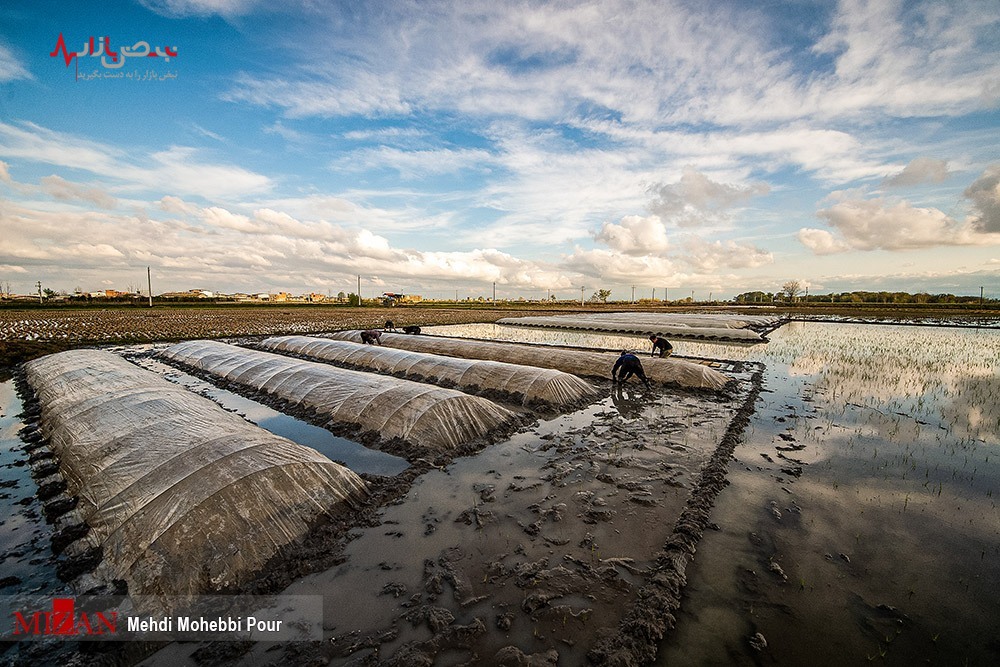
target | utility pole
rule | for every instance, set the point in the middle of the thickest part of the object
(582, 288)
(494, 292)
(547, 296)
(633, 294)
(149, 286)
(359, 289)
(38, 284)
(652, 297)
(980, 296)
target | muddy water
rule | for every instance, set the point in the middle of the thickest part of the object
(861, 521)
(27, 564)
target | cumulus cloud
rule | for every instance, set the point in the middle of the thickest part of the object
(615, 266)
(821, 242)
(985, 196)
(697, 200)
(919, 170)
(704, 255)
(635, 235)
(879, 223)
(4, 172)
(264, 248)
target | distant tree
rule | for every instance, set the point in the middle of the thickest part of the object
(791, 289)
(341, 296)
(353, 299)
(601, 295)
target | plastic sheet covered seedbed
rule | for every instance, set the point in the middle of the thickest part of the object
(385, 408)
(528, 384)
(577, 362)
(182, 497)
(629, 323)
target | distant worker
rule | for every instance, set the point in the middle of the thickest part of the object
(629, 365)
(661, 344)
(412, 329)
(371, 337)
(389, 326)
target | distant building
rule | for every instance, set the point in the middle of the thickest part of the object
(392, 298)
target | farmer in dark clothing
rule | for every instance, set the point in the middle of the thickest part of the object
(412, 329)
(371, 337)
(629, 365)
(389, 326)
(661, 344)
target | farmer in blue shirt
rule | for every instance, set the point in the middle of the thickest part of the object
(629, 365)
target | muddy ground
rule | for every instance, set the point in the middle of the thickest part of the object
(531, 551)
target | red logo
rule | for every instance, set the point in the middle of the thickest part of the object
(64, 621)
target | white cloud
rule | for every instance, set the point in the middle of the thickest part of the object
(872, 224)
(4, 172)
(635, 235)
(658, 62)
(179, 169)
(618, 267)
(985, 196)
(919, 170)
(821, 242)
(413, 164)
(708, 256)
(60, 188)
(11, 67)
(182, 8)
(698, 200)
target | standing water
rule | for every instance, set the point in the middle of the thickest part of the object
(861, 521)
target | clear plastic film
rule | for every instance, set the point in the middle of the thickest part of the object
(708, 327)
(182, 496)
(527, 384)
(430, 417)
(578, 362)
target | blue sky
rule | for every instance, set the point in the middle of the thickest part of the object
(435, 147)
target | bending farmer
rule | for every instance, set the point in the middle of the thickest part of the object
(661, 344)
(371, 337)
(629, 365)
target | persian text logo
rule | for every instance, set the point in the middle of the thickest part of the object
(64, 621)
(112, 60)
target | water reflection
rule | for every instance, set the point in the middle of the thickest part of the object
(869, 478)
(627, 399)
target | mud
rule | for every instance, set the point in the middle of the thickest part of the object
(522, 553)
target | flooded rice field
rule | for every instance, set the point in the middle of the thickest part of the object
(861, 521)
(857, 524)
